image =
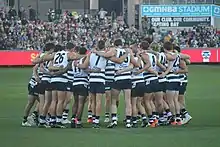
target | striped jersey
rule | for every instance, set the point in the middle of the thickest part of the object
(183, 78)
(70, 74)
(171, 77)
(80, 77)
(153, 65)
(97, 63)
(137, 78)
(33, 81)
(125, 64)
(109, 71)
(60, 59)
(45, 76)
(40, 73)
(163, 60)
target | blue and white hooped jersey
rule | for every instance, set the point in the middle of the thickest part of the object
(153, 65)
(60, 59)
(171, 77)
(45, 76)
(109, 71)
(163, 60)
(70, 75)
(137, 78)
(125, 75)
(80, 77)
(183, 78)
(97, 63)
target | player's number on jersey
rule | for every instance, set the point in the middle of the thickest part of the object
(153, 61)
(59, 58)
(176, 62)
(162, 60)
(126, 59)
(97, 61)
(47, 64)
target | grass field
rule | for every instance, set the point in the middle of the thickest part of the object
(203, 102)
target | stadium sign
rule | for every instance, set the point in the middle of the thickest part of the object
(216, 11)
(180, 21)
(176, 10)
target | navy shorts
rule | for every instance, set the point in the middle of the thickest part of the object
(47, 86)
(97, 87)
(162, 86)
(59, 86)
(182, 88)
(173, 86)
(32, 90)
(40, 88)
(69, 86)
(122, 84)
(138, 90)
(152, 86)
(108, 86)
(81, 90)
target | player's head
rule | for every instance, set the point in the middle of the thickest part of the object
(155, 47)
(134, 48)
(144, 45)
(70, 46)
(168, 46)
(80, 50)
(58, 48)
(118, 42)
(177, 48)
(148, 39)
(49, 47)
(101, 45)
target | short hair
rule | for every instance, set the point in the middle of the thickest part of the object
(58, 48)
(101, 44)
(118, 42)
(144, 45)
(69, 46)
(168, 45)
(49, 46)
(148, 39)
(82, 51)
(177, 48)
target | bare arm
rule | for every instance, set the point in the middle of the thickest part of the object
(134, 62)
(170, 57)
(183, 68)
(184, 56)
(54, 68)
(119, 60)
(161, 65)
(74, 56)
(48, 57)
(85, 64)
(63, 70)
(129, 68)
(187, 61)
(146, 60)
(35, 73)
(107, 54)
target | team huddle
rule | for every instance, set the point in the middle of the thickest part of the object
(153, 84)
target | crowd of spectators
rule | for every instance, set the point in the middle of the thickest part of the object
(20, 32)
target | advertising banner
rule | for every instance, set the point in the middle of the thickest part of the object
(24, 58)
(13, 58)
(216, 11)
(180, 21)
(203, 55)
(176, 10)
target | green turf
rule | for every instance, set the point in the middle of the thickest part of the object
(203, 102)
